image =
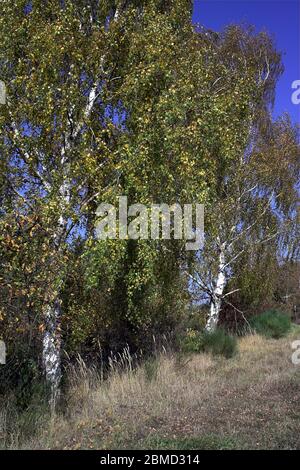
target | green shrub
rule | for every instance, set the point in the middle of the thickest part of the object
(195, 319)
(191, 342)
(206, 442)
(151, 369)
(272, 324)
(217, 342)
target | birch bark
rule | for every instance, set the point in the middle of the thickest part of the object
(217, 292)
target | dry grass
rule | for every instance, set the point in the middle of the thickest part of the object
(250, 401)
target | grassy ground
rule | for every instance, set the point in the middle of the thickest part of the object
(197, 402)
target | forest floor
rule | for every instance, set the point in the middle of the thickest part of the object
(251, 401)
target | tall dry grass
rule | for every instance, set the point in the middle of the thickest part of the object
(252, 399)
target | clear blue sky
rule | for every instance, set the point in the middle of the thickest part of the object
(281, 18)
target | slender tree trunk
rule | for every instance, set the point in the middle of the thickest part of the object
(52, 310)
(52, 321)
(216, 299)
(52, 314)
(52, 349)
(214, 313)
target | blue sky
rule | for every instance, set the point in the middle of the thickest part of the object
(281, 18)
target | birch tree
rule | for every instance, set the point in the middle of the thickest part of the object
(258, 207)
(56, 132)
(63, 63)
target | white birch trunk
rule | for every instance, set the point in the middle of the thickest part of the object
(52, 311)
(52, 339)
(216, 299)
(51, 350)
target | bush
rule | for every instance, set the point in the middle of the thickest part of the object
(151, 366)
(217, 342)
(195, 318)
(272, 324)
(191, 342)
(206, 442)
